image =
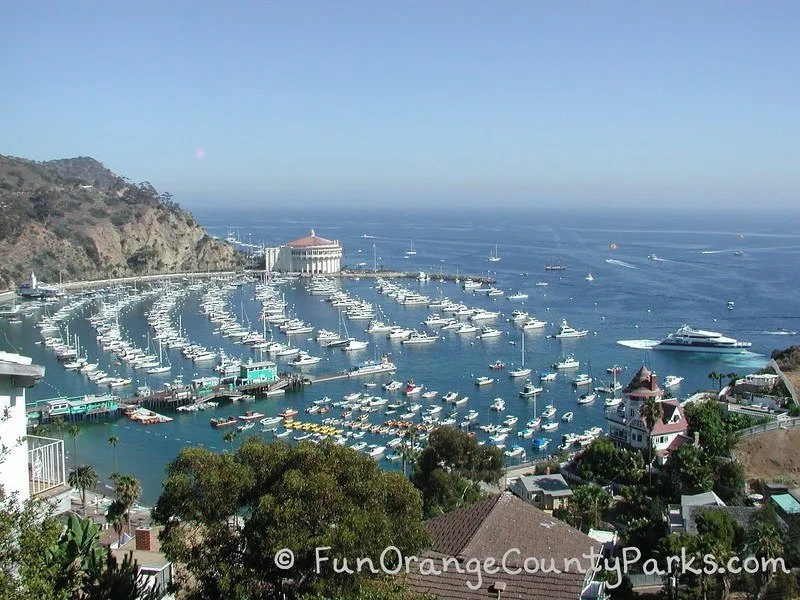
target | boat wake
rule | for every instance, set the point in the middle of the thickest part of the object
(779, 332)
(621, 263)
(714, 251)
(638, 344)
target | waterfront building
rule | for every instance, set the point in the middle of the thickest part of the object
(308, 255)
(627, 427)
(27, 466)
(33, 288)
(254, 372)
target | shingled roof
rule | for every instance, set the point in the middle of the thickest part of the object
(310, 240)
(489, 529)
(643, 385)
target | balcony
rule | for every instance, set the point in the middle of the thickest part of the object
(46, 468)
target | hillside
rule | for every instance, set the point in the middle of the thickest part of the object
(76, 219)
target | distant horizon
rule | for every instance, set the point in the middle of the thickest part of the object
(447, 103)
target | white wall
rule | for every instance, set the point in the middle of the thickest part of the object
(14, 460)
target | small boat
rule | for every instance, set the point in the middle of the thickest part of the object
(551, 426)
(540, 283)
(534, 423)
(515, 452)
(567, 363)
(652, 257)
(615, 370)
(518, 296)
(430, 395)
(547, 376)
(497, 365)
(589, 277)
(251, 415)
(567, 417)
(267, 421)
(540, 443)
(288, 413)
(730, 305)
(450, 396)
(529, 390)
(587, 398)
(549, 412)
(582, 379)
(391, 386)
(375, 450)
(498, 404)
(483, 380)
(411, 388)
(222, 422)
(672, 380)
(510, 421)
(613, 401)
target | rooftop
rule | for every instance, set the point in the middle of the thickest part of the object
(311, 240)
(20, 368)
(787, 503)
(553, 485)
(489, 529)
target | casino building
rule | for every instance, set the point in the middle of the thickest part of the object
(309, 255)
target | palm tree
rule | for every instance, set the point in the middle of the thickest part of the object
(718, 377)
(229, 438)
(59, 423)
(114, 440)
(116, 517)
(74, 431)
(766, 543)
(407, 451)
(127, 489)
(651, 413)
(732, 377)
(81, 478)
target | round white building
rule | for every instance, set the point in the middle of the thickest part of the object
(314, 255)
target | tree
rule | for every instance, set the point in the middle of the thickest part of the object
(651, 413)
(116, 516)
(690, 471)
(731, 482)
(765, 542)
(114, 440)
(82, 478)
(450, 468)
(589, 501)
(127, 490)
(302, 497)
(229, 438)
(59, 425)
(720, 536)
(74, 431)
(718, 377)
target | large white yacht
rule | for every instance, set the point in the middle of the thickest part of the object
(700, 340)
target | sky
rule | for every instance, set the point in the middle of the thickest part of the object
(429, 103)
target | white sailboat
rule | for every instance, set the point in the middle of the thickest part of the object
(161, 368)
(522, 371)
(411, 251)
(494, 257)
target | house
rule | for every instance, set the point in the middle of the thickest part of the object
(627, 427)
(144, 546)
(786, 505)
(547, 492)
(506, 526)
(30, 465)
(683, 517)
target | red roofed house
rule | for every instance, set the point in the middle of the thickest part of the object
(627, 428)
(503, 547)
(310, 255)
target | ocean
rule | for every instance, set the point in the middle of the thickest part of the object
(653, 272)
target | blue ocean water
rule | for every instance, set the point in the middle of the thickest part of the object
(703, 262)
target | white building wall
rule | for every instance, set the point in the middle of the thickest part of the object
(14, 451)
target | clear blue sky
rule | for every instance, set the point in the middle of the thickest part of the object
(429, 102)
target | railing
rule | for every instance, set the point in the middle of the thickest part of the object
(785, 380)
(764, 427)
(46, 467)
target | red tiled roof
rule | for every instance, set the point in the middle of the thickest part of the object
(643, 385)
(676, 443)
(489, 529)
(310, 240)
(664, 426)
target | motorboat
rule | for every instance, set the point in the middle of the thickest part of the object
(510, 420)
(288, 413)
(551, 426)
(582, 379)
(391, 386)
(615, 370)
(518, 315)
(304, 359)
(419, 338)
(568, 332)
(498, 404)
(450, 396)
(587, 398)
(411, 388)
(489, 332)
(354, 345)
(267, 421)
(483, 380)
(534, 423)
(497, 365)
(688, 339)
(567, 417)
(517, 296)
(430, 395)
(529, 390)
(589, 277)
(533, 323)
(672, 380)
(251, 416)
(567, 363)
(549, 412)
(613, 401)
(515, 452)
(541, 443)
(548, 377)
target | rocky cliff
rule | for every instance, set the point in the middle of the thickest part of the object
(75, 219)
